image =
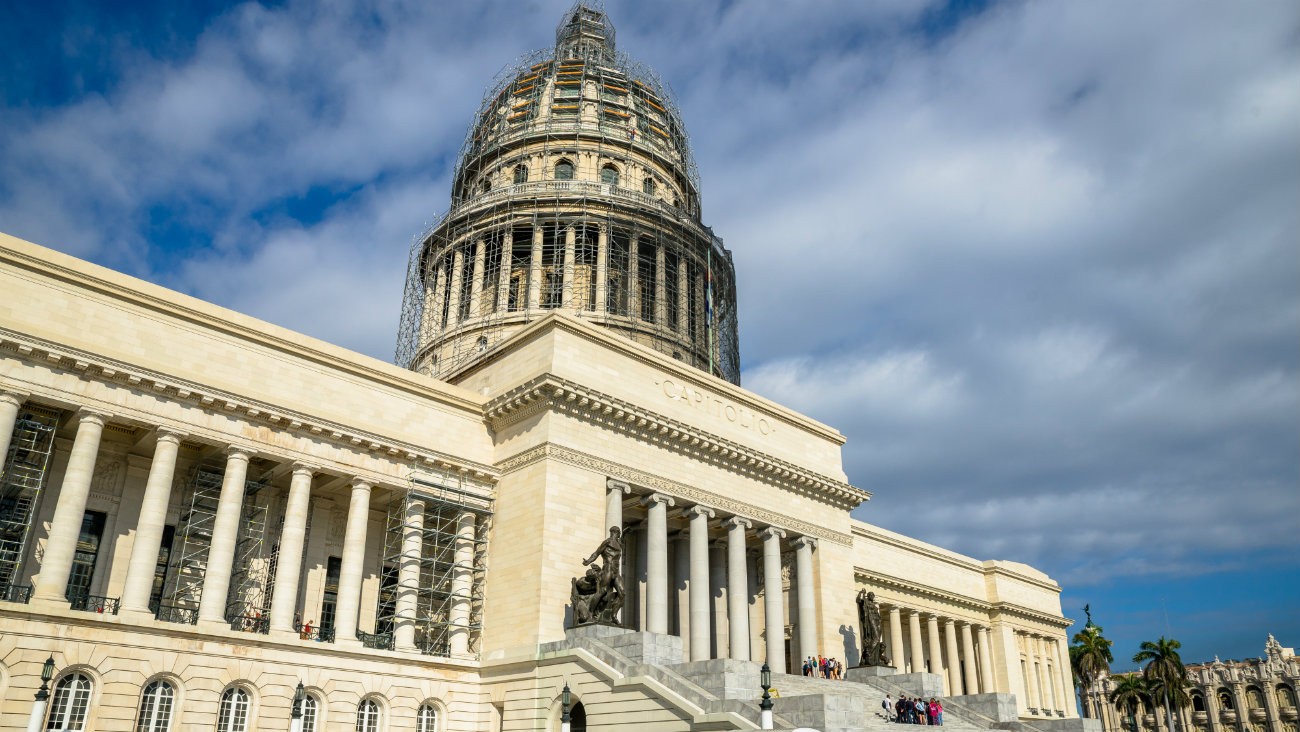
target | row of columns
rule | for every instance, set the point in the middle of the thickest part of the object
(946, 659)
(57, 559)
(702, 582)
(1047, 685)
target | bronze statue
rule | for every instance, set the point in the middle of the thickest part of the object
(598, 595)
(873, 641)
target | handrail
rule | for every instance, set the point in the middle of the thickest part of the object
(85, 602)
(10, 592)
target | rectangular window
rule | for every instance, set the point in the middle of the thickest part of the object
(387, 607)
(521, 261)
(491, 275)
(647, 275)
(671, 268)
(584, 267)
(693, 304)
(330, 600)
(552, 266)
(83, 561)
(616, 285)
(160, 569)
(466, 282)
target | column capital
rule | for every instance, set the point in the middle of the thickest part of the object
(699, 510)
(16, 398)
(732, 522)
(301, 468)
(93, 416)
(239, 452)
(360, 484)
(771, 532)
(660, 498)
(167, 434)
(804, 541)
(612, 485)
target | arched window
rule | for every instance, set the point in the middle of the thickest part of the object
(521, 174)
(368, 716)
(1254, 699)
(609, 174)
(69, 705)
(156, 707)
(564, 170)
(232, 715)
(1285, 697)
(648, 186)
(577, 718)
(309, 713)
(427, 719)
(1198, 703)
(1225, 699)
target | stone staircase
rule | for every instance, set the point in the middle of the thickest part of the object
(723, 694)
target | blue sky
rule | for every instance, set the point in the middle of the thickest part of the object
(1038, 261)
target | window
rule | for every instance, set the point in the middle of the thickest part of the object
(69, 705)
(232, 716)
(368, 716)
(648, 186)
(1198, 703)
(609, 174)
(564, 170)
(160, 569)
(485, 186)
(521, 174)
(309, 707)
(427, 719)
(156, 708)
(83, 561)
(330, 601)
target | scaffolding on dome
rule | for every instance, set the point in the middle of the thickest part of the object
(435, 561)
(22, 476)
(575, 189)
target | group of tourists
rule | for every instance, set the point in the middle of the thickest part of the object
(820, 666)
(913, 711)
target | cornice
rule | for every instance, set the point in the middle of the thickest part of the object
(94, 367)
(875, 533)
(549, 392)
(983, 608)
(688, 494)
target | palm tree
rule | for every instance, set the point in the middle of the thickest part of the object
(1164, 667)
(1175, 693)
(1130, 692)
(1090, 657)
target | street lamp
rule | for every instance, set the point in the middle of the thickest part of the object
(565, 698)
(42, 697)
(765, 706)
(295, 725)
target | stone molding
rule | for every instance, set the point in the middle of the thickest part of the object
(689, 494)
(254, 412)
(549, 392)
(989, 611)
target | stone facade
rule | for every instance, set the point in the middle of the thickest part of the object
(1254, 695)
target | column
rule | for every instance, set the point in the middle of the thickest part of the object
(503, 277)
(737, 588)
(988, 684)
(614, 492)
(934, 644)
(149, 527)
(408, 576)
(476, 284)
(968, 661)
(661, 292)
(439, 297)
(954, 664)
(65, 528)
(352, 564)
(656, 610)
(1064, 681)
(805, 599)
(1027, 672)
(457, 276)
(566, 293)
(914, 631)
(700, 589)
(773, 598)
(225, 536)
(896, 639)
(602, 267)
(293, 541)
(535, 270)
(9, 405)
(634, 276)
(462, 585)
(683, 295)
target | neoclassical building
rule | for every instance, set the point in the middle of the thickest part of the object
(203, 513)
(1253, 695)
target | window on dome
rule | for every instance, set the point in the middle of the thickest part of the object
(521, 174)
(609, 174)
(648, 186)
(564, 170)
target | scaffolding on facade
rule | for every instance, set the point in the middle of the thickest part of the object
(435, 560)
(575, 189)
(189, 561)
(25, 468)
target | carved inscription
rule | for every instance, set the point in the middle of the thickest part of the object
(702, 401)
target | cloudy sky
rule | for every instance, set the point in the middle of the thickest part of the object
(1040, 262)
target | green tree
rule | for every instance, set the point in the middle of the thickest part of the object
(1129, 693)
(1164, 671)
(1090, 657)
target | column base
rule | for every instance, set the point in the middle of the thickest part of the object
(347, 643)
(49, 603)
(136, 615)
(212, 626)
(279, 634)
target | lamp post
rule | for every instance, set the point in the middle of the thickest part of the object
(765, 706)
(565, 698)
(295, 716)
(42, 697)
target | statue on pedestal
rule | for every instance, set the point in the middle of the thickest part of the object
(597, 596)
(873, 640)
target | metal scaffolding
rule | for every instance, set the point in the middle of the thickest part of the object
(24, 472)
(575, 190)
(435, 552)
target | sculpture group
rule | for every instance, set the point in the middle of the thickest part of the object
(597, 596)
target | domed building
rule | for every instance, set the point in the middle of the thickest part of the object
(208, 522)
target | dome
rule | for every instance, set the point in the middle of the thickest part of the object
(574, 190)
